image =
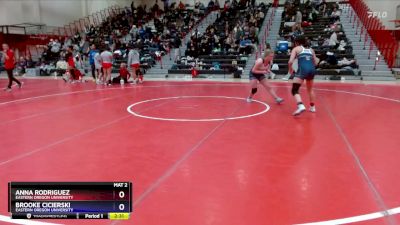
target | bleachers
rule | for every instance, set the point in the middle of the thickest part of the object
(221, 62)
(316, 33)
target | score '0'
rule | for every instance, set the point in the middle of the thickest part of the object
(121, 194)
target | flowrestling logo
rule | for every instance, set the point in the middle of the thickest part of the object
(379, 15)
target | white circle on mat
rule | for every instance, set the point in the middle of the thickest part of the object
(197, 120)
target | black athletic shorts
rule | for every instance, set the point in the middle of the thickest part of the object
(257, 76)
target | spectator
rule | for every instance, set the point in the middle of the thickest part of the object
(98, 67)
(323, 7)
(297, 32)
(181, 6)
(9, 64)
(45, 69)
(77, 37)
(84, 46)
(331, 58)
(29, 62)
(166, 4)
(299, 17)
(227, 5)
(55, 47)
(333, 40)
(134, 32)
(217, 5)
(93, 51)
(335, 15)
(211, 4)
(21, 66)
(71, 69)
(245, 46)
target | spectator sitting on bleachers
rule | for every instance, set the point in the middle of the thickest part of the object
(217, 5)
(55, 47)
(77, 37)
(289, 20)
(181, 6)
(21, 66)
(330, 59)
(333, 40)
(211, 4)
(342, 45)
(299, 17)
(346, 62)
(315, 3)
(335, 15)
(29, 62)
(227, 5)
(45, 69)
(84, 46)
(229, 43)
(297, 32)
(134, 32)
(199, 7)
(72, 73)
(98, 68)
(245, 46)
(323, 7)
(324, 43)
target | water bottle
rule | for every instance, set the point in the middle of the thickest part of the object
(122, 81)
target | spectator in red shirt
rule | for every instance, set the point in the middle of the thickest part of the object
(71, 70)
(9, 65)
(181, 5)
(123, 74)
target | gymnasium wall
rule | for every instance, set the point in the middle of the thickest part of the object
(51, 12)
(388, 6)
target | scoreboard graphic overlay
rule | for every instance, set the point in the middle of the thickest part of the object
(70, 200)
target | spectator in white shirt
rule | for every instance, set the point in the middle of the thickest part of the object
(333, 40)
(335, 15)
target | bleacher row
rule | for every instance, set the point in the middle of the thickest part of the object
(228, 64)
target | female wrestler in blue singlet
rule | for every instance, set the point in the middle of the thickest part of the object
(307, 62)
